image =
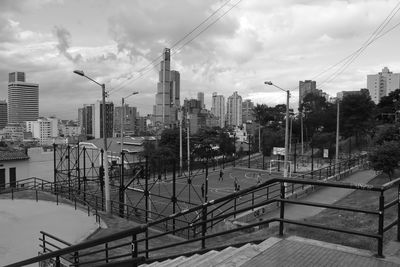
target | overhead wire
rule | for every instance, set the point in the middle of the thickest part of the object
(151, 65)
(373, 37)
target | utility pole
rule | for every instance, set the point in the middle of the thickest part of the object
(188, 143)
(337, 134)
(106, 176)
(180, 141)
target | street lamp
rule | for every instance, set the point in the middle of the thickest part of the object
(105, 157)
(285, 171)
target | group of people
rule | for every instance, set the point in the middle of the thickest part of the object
(236, 185)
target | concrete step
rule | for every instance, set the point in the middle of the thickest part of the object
(204, 258)
(219, 256)
(228, 254)
(172, 262)
(241, 255)
(189, 260)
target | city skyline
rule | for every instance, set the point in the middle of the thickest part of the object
(251, 43)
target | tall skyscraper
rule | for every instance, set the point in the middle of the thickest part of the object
(23, 99)
(98, 119)
(85, 116)
(200, 97)
(247, 111)
(382, 84)
(218, 108)
(3, 114)
(234, 110)
(168, 94)
(305, 88)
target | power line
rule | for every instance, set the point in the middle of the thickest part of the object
(145, 69)
(373, 37)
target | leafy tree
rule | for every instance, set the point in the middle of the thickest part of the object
(357, 115)
(272, 138)
(318, 114)
(386, 158)
(387, 133)
(389, 105)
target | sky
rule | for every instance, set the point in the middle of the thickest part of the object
(225, 46)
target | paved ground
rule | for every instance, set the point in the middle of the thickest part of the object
(295, 251)
(328, 195)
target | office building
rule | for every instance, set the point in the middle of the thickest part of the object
(129, 120)
(23, 99)
(234, 110)
(43, 129)
(305, 88)
(381, 84)
(218, 108)
(98, 119)
(200, 97)
(247, 111)
(85, 117)
(167, 99)
(3, 114)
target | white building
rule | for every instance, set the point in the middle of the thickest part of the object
(234, 110)
(44, 129)
(382, 84)
(218, 108)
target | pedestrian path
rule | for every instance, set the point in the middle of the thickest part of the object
(325, 195)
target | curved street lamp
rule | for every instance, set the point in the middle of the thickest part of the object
(285, 171)
(105, 156)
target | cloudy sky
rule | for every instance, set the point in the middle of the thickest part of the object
(240, 45)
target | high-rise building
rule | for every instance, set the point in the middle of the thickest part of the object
(234, 110)
(98, 119)
(129, 120)
(23, 99)
(85, 117)
(218, 108)
(200, 97)
(382, 84)
(3, 114)
(247, 111)
(168, 94)
(305, 88)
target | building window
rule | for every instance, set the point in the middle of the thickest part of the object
(13, 177)
(2, 178)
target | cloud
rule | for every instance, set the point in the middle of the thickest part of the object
(64, 39)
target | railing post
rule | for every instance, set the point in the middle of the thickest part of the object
(134, 246)
(398, 212)
(204, 227)
(58, 264)
(380, 226)
(44, 242)
(12, 193)
(36, 193)
(76, 258)
(282, 209)
(106, 250)
(252, 201)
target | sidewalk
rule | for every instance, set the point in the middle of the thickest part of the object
(326, 195)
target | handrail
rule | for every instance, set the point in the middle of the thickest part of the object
(225, 200)
(86, 244)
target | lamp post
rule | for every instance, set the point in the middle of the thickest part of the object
(337, 134)
(105, 157)
(285, 164)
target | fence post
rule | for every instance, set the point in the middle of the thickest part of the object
(76, 258)
(106, 250)
(282, 209)
(134, 246)
(204, 227)
(12, 193)
(398, 212)
(380, 226)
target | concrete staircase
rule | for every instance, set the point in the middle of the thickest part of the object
(230, 256)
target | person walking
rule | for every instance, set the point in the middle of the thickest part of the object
(202, 190)
(221, 175)
(258, 178)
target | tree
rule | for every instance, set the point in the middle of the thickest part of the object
(272, 138)
(387, 133)
(388, 105)
(357, 115)
(386, 158)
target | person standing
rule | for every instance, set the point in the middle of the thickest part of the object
(202, 190)
(221, 175)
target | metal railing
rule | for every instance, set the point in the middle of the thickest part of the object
(141, 244)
